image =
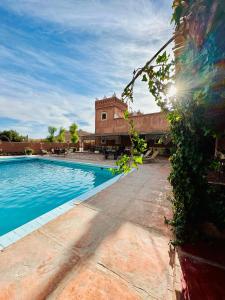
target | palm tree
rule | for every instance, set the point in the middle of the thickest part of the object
(61, 136)
(51, 130)
(73, 133)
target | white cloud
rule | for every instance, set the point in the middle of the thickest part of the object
(48, 106)
(51, 87)
(133, 17)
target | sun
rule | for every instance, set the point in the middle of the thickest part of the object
(172, 91)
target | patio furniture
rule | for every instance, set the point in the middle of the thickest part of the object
(127, 150)
(69, 151)
(148, 153)
(152, 157)
(44, 152)
(57, 151)
(120, 151)
(115, 152)
(105, 153)
(108, 152)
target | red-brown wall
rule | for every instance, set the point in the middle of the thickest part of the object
(148, 123)
(113, 107)
(19, 148)
(115, 123)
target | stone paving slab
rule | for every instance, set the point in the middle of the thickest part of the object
(30, 268)
(147, 214)
(93, 282)
(112, 246)
(139, 257)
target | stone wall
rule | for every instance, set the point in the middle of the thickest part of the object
(19, 148)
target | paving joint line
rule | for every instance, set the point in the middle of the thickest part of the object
(129, 282)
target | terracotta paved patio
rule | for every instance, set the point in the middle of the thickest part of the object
(113, 246)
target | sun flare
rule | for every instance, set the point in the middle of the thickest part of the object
(172, 91)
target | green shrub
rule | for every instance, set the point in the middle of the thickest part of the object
(28, 151)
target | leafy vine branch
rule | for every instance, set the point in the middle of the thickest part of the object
(160, 78)
(140, 71)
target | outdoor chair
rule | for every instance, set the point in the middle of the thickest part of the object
(152, 157)
(120, 151)
(69, 151)
(44, 152)
(106, 153)
(148, 153)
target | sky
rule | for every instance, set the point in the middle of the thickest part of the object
(58, 56)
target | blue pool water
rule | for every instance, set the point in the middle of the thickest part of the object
(30, 187)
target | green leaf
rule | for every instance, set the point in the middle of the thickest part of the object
(144, 78)
(138, 159)
(178, 10)
(126, 115)
(161, 58)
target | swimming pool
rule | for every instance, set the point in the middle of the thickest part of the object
(31, 187)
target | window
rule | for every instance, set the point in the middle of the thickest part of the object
(104, 116)
(103, 141)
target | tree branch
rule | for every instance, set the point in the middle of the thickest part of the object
(149, 62)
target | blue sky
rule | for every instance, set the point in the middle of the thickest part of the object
(57, 56)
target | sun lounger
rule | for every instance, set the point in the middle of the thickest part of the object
(148, 153)
(69, 151)
(151, 158)
(44, 152)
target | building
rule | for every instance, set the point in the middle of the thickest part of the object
(111, 129)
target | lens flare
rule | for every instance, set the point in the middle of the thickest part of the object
(172, 91)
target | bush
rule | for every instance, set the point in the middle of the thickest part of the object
(28, 151)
